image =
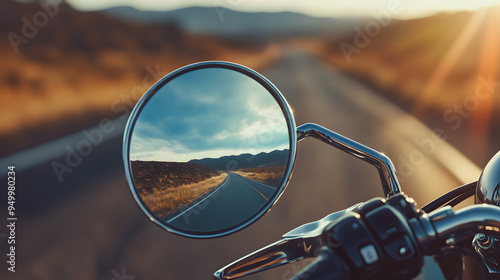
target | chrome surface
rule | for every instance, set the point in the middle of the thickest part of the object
(483, 221)
(486, 247)
(315, 229)
(201, 65)
(487, 191)
(298, 244)
(488, 187)
(386, 169)
(467, 222)
(484, 241)
(276, 254)
(442, 213)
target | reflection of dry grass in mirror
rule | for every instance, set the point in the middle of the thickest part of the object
(268, 175)
(166, 201)
(166, 186)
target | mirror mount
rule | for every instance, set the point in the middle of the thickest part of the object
(384, 165)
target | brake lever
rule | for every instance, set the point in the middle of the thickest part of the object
(298, 244)
(276, 254)
(314, 229)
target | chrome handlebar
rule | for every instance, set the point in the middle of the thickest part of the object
(439, 229)
(452, 227)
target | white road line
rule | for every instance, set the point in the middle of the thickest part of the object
(253, 181)
(184, 212)
(267, 199)
(273, 188)
(53, 150)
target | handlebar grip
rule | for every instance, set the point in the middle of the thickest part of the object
(327, 266)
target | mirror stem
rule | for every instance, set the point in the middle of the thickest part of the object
(383, 164)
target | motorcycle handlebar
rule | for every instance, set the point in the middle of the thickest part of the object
(327, 266)
(452, 227)
(418, 232)
(445, 228)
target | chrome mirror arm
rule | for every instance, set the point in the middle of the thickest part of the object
(304, 241)
(384, 165)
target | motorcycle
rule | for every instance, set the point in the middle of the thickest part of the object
(210, 148)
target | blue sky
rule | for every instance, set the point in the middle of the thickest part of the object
(208, 113)
(323, 8)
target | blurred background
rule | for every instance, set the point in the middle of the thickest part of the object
(418, 81)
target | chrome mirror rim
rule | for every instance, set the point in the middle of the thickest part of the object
(287, 112)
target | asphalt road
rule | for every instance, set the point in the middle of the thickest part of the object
(235, 200)
(88, 226)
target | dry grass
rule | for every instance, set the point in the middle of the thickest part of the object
(166, 201)
(74, 72)
(435, 68)
(410, 58)
(268, 175)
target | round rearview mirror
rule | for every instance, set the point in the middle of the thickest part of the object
(209, 149)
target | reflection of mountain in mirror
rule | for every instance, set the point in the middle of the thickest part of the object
(266, 168)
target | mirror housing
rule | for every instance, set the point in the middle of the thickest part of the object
(175, 142)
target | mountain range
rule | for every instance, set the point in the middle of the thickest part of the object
(242, 161)
(226, 22)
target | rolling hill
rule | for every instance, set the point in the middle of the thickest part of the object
(221, 21)
(229, 163)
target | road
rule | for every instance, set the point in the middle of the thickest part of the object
(234, 201)
(88, 226)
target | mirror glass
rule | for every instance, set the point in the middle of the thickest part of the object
(208, 150)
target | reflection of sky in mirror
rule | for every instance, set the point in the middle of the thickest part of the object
(208, 113)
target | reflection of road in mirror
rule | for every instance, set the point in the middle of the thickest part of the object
(166, 186)
(202, 195)
(234, 201)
